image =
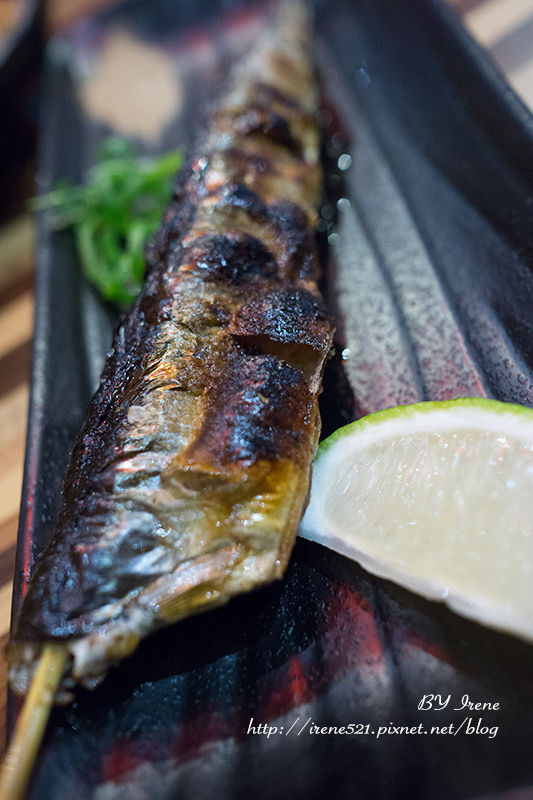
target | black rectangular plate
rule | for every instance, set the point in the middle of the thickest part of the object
(430, 258)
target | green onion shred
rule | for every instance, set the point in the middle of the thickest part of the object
(114, 214)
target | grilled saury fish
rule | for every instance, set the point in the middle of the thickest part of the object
(192, 470)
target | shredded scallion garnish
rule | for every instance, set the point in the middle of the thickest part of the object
(114, 214)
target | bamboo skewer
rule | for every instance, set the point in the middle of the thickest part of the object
(31, 724)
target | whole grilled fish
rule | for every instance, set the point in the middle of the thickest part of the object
(192, 470)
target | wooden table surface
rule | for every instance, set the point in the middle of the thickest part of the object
(505, 27)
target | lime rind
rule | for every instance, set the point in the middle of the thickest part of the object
(492, 581)
(480, 405)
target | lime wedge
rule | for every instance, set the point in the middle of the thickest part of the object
(437, 497)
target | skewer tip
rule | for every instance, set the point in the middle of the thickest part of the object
(31, 724)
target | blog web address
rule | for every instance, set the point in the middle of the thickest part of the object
(467, 726)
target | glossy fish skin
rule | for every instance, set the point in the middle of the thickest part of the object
(192, 471)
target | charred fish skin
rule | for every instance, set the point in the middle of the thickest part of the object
(192, 471)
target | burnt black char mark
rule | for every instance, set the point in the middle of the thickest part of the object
(269, 96)
(258, 120)
(288, 222)
(232, 258)
(237, 195)
(289, 315)
(267, 407)
(300, 255)
(299, 259)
